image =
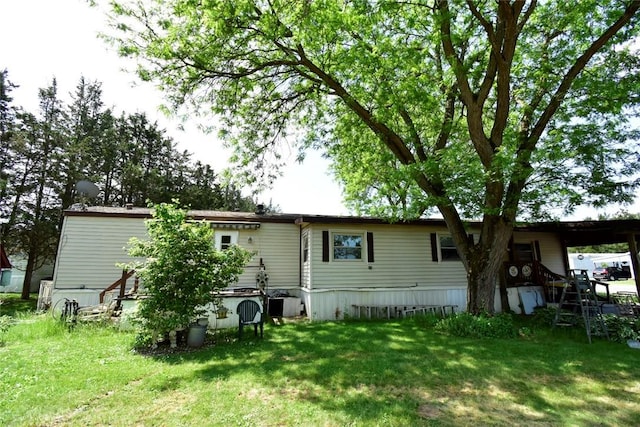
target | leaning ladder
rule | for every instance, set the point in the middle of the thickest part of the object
(579, 298)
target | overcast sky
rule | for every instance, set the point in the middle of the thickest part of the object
(42, 39)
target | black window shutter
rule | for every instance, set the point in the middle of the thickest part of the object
(325, 246)
(370, 247)
(434, 247)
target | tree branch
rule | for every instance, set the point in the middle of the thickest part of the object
(469, 99)
(417, 142)
(447, 121)
(528, 143)
(508, 15)
(575, 70)
(388, 137)
(450, 53)
(527, 15)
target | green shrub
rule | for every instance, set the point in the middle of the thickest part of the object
(543, 316)
(621, 328)
(181, 269)
(426, 320)
(478, 326)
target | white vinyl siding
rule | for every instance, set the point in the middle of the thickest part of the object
(279, 247)
(402, 258)
(92, 246)
(551, 254)
(306, 264)
(404, 271)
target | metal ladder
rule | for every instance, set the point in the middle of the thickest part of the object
(579, 298)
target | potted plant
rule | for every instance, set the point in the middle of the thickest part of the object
(180, 271)
(632, 335)
(221, 311)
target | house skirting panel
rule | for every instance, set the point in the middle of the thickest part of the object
(334, 304)
(84, 297)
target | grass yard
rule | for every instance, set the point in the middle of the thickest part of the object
(624, 285)
(627, 282)
(392, 373)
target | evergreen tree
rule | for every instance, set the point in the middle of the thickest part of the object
(130, 159)
(36, 209)
(85, 128)
(7, 123)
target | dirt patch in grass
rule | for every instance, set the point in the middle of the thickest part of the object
(164, 348)
(429, 411)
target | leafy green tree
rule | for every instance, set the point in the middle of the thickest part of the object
(22, 159)
(181, 269)
(201, 188)
(601, 249)
(496, 110)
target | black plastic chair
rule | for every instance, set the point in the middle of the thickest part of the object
(249, 314)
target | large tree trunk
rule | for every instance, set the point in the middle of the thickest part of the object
(484, 263)
(28, 274)
(482, 280)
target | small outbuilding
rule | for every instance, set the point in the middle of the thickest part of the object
(5, 268)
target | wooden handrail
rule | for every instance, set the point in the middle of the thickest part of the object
(542, 276)
(122, 282)
(548, 274)
(542, 272)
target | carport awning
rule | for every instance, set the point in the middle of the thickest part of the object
(583, 233)
(4, 261)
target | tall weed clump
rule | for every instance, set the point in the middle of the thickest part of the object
(621, 328)
(478, 326)
(5, 324)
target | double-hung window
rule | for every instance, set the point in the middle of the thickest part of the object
(443, 248)
(347, 246)
(524, 252)
(448, 251)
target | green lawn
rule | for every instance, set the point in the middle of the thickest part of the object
(392, 373)
(11, 304)
(629, 283)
